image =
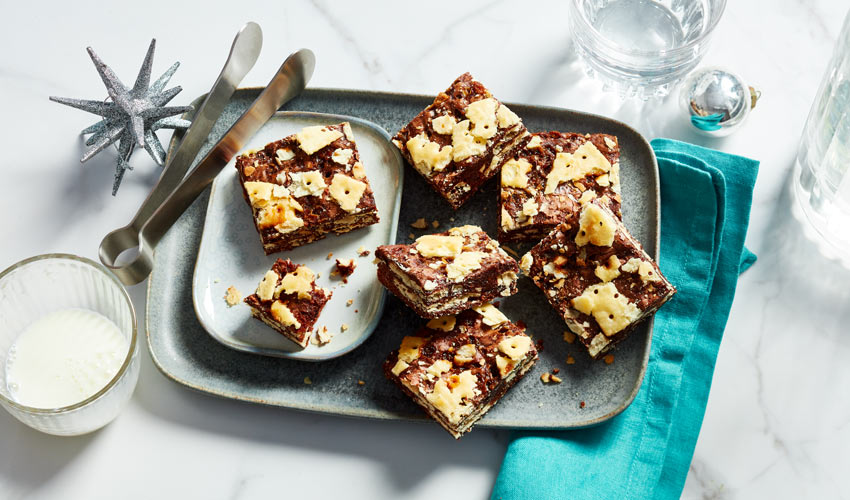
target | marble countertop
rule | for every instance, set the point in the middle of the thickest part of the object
(778, 419)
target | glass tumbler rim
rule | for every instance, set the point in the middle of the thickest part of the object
(130, 351)
(599, 38)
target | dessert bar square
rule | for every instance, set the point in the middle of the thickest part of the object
(457, 367)
(597, 276)
(461, 139)
(289, 300)
(445, 273)
(305, 186)
(551, 176)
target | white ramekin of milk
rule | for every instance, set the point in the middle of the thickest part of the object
(68, 355)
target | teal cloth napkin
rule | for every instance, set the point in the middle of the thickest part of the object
(645, 452)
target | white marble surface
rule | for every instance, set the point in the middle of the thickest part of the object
(778, 420)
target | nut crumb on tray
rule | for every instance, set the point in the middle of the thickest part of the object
(232, 297)
(419, 223)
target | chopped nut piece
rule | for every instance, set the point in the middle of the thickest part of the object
(569, 336)
(232, 297)
(361, 382)
(362, 251)
(349, 302)
(419, 223)
(545, 377)
(343, 327)
(571, 360)
(556, 371)
(609, 358)
(307, 380)
(330, 254)
(411, 236)
(435, 224)
(555, 379)
(581, 404)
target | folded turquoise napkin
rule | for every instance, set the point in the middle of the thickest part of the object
(646, 451)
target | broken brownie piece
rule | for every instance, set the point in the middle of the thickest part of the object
(597, 276)
(551, 177)
(289, 301)
(445, 273)
(458, 367)
(305, 186)
(461, 139)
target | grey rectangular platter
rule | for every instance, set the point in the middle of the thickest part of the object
(186, 353)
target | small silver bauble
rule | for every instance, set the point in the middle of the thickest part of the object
(717, 100)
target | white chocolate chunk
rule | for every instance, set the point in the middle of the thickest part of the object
(596, 227)
(275, 206)
(464, 264)
(342, 156)
(449, 395)
(515, 173)
(427, 156)
(611, 144)
(444, 124)
(283, 315)
(504, 365)
(492, 315)
(525, 263)
(482, 114)
(535, 142)
(265, 290)
(611, 309)
(586, 160)
(434, 245)
(399, 367)
(439, 367)
(644, 269)
(346, 128)
(358, 171)
(312, 139)
(284, 154)
(464, 144)
(515, 347)
(609, 271)
(347, 191)
(409, 349)
(299, 281)
(465, 354)
(506, 117)
(446, 323)
(310, 183)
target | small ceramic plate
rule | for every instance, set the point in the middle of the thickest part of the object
(231, 254)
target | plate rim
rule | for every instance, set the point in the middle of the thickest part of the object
(373, 323)
(365, 413)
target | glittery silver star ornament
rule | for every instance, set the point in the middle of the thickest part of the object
(130, 116)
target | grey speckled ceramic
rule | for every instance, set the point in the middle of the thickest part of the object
(183, 351)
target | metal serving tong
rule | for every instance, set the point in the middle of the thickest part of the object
(171, 197)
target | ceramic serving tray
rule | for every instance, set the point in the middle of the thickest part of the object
(230, 253)
(183, 350)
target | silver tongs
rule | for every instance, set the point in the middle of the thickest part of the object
(173, 194)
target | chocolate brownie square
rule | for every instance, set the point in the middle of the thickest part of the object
(289, 300)
(305, 186)
(551, 177)
(448, 272)
(457, 367)
(461, 139)
(597, 276)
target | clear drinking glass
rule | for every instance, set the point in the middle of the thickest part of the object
(642, 48)
(46, 283)
(821, 181)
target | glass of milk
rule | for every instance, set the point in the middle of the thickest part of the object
(68, 354)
